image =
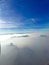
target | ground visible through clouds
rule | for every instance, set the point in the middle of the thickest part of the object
(27, 50)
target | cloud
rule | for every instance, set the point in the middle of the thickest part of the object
(24, 56)
(20, 36)
(43, 36)
(36, 49)
(24, 36)
(10, 24)
(13, 36)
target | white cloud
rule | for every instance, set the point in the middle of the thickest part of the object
(33, 39)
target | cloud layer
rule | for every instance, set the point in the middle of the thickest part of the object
(32, 50)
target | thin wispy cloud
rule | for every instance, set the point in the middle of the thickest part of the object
(9, 24)
(34, 20)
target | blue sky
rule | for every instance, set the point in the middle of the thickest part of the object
(23, 15)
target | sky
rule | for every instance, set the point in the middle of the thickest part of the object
(30, 20)
(21, 16)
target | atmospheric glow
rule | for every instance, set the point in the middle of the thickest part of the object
(4, 37)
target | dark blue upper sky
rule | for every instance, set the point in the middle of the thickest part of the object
(24, 14)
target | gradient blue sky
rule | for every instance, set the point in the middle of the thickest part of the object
(17, 16)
